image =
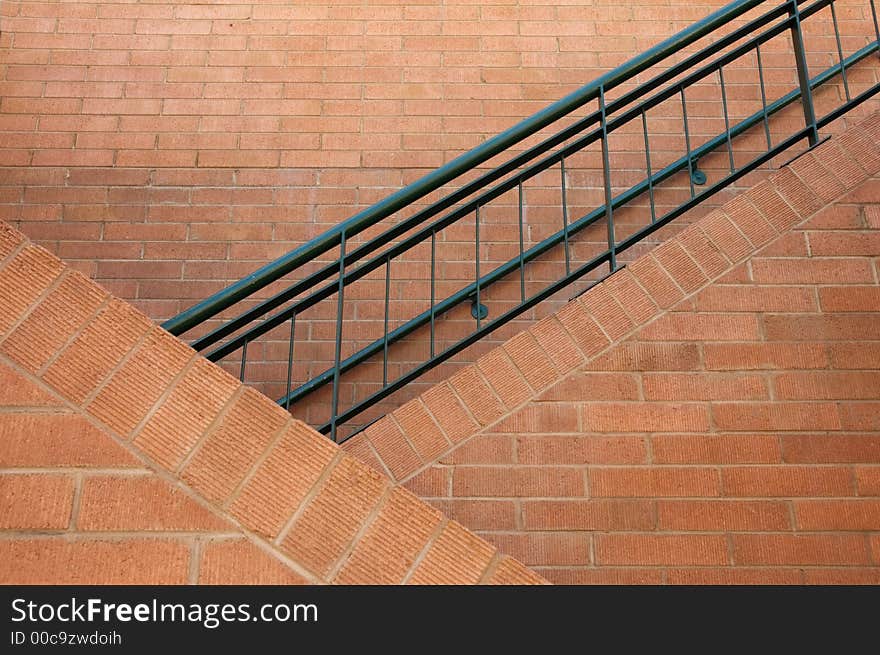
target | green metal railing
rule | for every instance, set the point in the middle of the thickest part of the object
(422, 227)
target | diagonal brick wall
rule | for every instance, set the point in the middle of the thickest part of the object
(126, 458)
(707, 415)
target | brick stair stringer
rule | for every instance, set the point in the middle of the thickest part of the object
(410, 440)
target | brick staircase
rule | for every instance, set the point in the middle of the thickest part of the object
(707, 415)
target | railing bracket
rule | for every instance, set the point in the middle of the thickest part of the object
(478, 310)
(698, 177)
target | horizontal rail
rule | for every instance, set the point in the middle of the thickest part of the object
(441, 176)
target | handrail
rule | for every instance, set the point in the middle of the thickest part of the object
(366, 218)
(424, 226)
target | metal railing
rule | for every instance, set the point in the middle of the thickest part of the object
(423, 226)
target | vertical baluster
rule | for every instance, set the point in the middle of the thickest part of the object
(876, 25)
(522, 263)
(477, 262)
(648, 164)
(763, 98)
(840, 53)
(803, 72)
(565, 220)
(334, 409)
(433, 284)
(243, 359)
(290, 361)
(606, 171)
(726, 119)
(385, 326)
(687, 140)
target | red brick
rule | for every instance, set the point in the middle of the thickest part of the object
(751, 298)
(584, 331)
(787, 481)
(835, 448)
(747, 417)
(477, 396)
(828, 515)
(725, 236)
(544, 548)
(532, 362)
(22, 280)
(141, 561)
(850, 299)
(391, 446)
(421, 430)
(433, 482)
(831, 385)
(715, 449)
(777, 212)
(90, 358)
(389, 547)
(141, 503)
(555, 341)
(185, 414)
(790, 549)
(868, 480)
(480, 514)
(35, 501)
(18, 391)
(223, 459)
(656, 281)
(860, 415)
(541, 417)
(606, 311)
(842, 576)
(593, 449)
(55, 320)
(131, 392)
(812, 271)
(593, 386)
(238, 561)
(504, 378)
(702, 327)
(639, 357)
(734, 576)
(703, 251)
(680, 266)
(632, 297)
(455, 557)
(328, 524)
(58, 441)
(602, 576)
(601, 515)
(654, 550)
(449, 413)
(281, 482)
(633, 482)
(516, 482)
(795, 192)
(482, 449)
(511, 572)
(645, 417)
(756, 356)
(749, 220)
(722, 515)
(703, 386)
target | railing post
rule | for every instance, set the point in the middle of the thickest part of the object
(797, 40)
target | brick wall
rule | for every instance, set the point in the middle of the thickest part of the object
(125, 458)
(167, 149)
(707, 415)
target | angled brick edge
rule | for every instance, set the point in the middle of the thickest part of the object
(316, 510)
(510, 376)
